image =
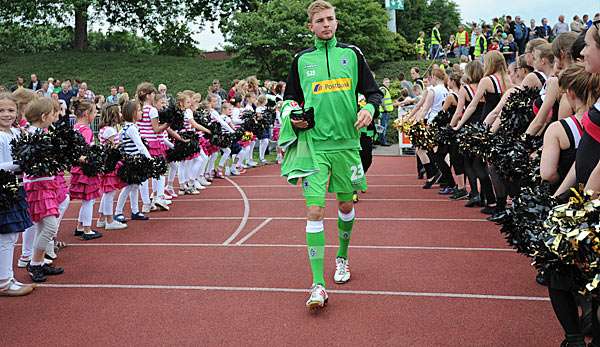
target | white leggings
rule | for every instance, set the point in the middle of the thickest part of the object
(172, 173)
(242, 156)
(130, 191)
(250, 152)
(7, 249)
(145, 192)
(106, 203)
(224, 157)
(211, 162)
(86, 212)
(158, 186)
(262, 148)
(45, 230)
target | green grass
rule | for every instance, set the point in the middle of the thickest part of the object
(102, 70)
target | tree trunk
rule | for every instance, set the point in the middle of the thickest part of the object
(80, 40)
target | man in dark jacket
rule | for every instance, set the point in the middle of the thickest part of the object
(34, 84)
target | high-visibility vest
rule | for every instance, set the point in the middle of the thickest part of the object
(462, 39)
(478, 43)
(387, 105)
(420, 46)
(498, 27)
(434, 37)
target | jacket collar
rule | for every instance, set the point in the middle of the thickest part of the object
(321, 44)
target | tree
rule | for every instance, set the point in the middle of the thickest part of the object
(267, 39)
(147, 16)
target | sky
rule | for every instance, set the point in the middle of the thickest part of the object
(474, 10)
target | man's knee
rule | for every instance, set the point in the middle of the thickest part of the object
(315, 213)
(345, 206)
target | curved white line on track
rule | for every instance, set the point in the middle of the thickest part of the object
(298, 290)
(246, 212)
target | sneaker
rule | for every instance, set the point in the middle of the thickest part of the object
(161, 203)
(203, 181)
(146, 208)
(264, 162)
(318, 297)
(78, 232)
(446, 191)
(169, 191)
(342, 271)
(153, 207)
(100, 223)
(116, 225)
(14, 288)
(488, 210)
(50, 251)
(24, 262)
(37, 273)
(252, 163)
(50, 270)
(355, 198)
(48, 256)
(459, 194)
(120, 218)
(139, 216)
(473, 201)
(234, 172)
(91, 236)
(429, 183)
(192, 191)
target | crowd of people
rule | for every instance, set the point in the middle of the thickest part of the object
(214, 131)
(559, 82)
(508, 35)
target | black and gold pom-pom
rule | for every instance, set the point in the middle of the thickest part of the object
(136, 169)
(69, 144)
(36, 154)
(441, 131)
(517, 113)
(184, 149)
(421, 136)
(159, 167)
(572, 233)
(110, 158)
(94, 161)
(474, 140)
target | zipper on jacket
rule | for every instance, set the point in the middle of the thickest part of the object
(327, 58)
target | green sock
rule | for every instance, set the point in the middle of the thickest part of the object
(344, 233)
(316, 253)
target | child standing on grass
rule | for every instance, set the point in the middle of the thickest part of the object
(84, 188)
(15, 219)
(131, 143)
(111, 183)
(42, 197)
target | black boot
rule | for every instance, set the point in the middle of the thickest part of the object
(575, 340)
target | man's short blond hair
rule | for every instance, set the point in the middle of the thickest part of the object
(316, 7)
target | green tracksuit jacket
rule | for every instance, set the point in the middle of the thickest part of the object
(328, 77)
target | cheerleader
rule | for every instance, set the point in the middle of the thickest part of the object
(263, 139)
(151, 130)
(237, 121)
(14, 219)
(185, 172)
(161, 102)
(131, 143)
(42, 197)
(250, 104)
(224, 120)
(84, 188)
(108, 136)
(200, 162)
(276, 130)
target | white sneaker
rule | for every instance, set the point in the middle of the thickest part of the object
(318, 297)
(252, 163)
(146, 208)
(100, 223)
(22, 263)
(234, 172)
(203, 181)
(342, 271)
(160, 203)
(182, 189)
(115, 225)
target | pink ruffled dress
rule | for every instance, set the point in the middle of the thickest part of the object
(83, 187)
(110, 181)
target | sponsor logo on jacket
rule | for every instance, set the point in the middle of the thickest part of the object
(330, 86)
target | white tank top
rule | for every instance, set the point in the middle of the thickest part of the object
(439, 95)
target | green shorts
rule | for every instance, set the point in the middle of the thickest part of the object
(339, 172)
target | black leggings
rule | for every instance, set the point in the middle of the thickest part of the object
(440, 160)
(457, 160)
(566, 309)
(470, 173)
(483, 175)
(366, 152)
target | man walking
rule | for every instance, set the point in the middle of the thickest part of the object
(320, 133)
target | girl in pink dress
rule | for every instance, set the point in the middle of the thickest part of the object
(42, 196)
(84, 188)
(111, 183)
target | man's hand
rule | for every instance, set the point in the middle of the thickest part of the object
(298, 123)
(364, 118)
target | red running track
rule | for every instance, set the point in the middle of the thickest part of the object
(425, 272)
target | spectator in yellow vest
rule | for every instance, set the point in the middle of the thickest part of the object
(386, 108)
(436, 40)
(420, 46)
(462, 41)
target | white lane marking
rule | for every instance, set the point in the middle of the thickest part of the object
(300, 199)
(298, 290)
(370, 175)
(254, 231)
(293, 186)
(246, 212)
(392, 219)
(267, 245)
